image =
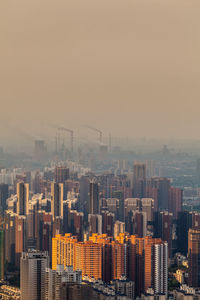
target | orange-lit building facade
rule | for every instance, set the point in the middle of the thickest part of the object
(88, 259)
(139, 259)
(63, 250)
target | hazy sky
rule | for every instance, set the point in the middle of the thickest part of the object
(129, 67)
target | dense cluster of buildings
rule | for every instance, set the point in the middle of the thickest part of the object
(61, 229)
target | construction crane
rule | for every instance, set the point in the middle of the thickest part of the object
(97, 130)
(71, 136)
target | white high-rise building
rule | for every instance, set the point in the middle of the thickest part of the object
(33, 265)
(160, 274)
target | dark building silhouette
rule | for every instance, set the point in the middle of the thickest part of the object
(84, 195)
(163, 222)
(77, 291)
(2, 256)
(119, 195)
(162, 185)
(56, 199)
(94, 198)
(3, 197)
(61, 174)
(107, 222)
(193, 257)
(184, 222)
(22, 198)
(139, 180)
(175, 201)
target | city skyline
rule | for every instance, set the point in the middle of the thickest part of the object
(100, 150)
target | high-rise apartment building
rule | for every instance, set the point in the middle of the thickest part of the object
(74, 223)
(94, 198)
(139, 180)
(175, 201)
(88, 258)
(10, 219)
(131, 204)
(2, 256)
(113, 206)
(162, 185)
(184, 222)
(119, 227)
(120, 196)
(148, 264)
(193, 257)
(42, 230)
(152, 192)
(56, 199)
(22, 198)
(163, 222)
(61, 174)
(150, 168)
(137, 223)
(107, 223)
(156, 265)
(118, 260)
(147, 206)
(20, 237)
(142, 260)
(95, 224)
(84, 194)
(63, 250)
(3, 198)
(32, 275)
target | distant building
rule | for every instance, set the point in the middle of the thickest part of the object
(139, 180)
(61, 174)
(3, 197)
(20, 237)
(163, 222)
(22, 198)
(120, 196)
(56, 199)
(10, 219)
(162, 185)
(131, 204)
(107, 223)
(119, 227)
(94, 198)
(95, 224)
(2, 256)
(40, 150)
(175, 201)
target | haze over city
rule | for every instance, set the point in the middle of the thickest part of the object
(129, 68)
(99, 150)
